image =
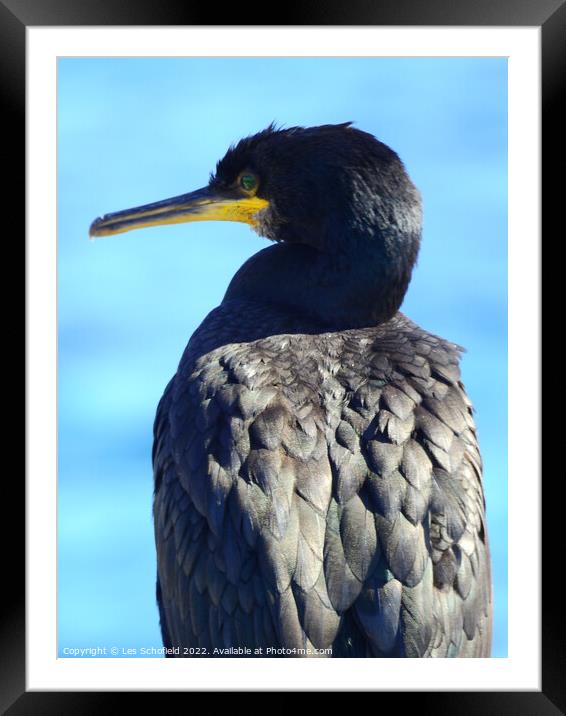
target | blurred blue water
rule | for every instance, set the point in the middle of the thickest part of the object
(136, 130)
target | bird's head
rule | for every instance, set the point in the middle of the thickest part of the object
(333, 188)
(320, 186)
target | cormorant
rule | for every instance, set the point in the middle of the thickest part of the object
(318, 482)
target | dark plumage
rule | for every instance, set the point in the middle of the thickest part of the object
(318, 482)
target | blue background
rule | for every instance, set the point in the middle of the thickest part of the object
(131, 131)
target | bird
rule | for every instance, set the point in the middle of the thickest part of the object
(318, 486)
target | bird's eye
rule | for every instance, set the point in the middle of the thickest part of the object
(248, 182)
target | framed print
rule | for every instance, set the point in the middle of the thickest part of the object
(129, 106)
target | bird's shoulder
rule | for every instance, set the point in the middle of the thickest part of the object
(251, 378)
(242, 347)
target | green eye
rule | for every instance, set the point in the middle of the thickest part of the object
(248, 182)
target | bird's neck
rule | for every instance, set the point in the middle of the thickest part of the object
(347, 290)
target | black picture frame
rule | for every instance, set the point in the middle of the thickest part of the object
(550, 15)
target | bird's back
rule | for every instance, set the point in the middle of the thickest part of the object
(319, 492)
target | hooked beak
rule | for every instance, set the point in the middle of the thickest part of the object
(204, 204)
